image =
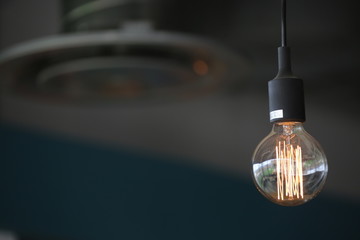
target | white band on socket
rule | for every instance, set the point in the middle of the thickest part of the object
(276, 114)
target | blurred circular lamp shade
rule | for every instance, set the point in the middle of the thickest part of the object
(118, 64)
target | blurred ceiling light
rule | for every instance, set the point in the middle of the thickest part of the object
(94, 61)
(200, 67)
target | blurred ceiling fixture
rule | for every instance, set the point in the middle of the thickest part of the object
(110, 50)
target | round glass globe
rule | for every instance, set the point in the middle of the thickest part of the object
(289, 165)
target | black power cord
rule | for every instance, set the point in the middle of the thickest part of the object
(283, 24)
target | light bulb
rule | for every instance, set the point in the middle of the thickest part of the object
(289, 166)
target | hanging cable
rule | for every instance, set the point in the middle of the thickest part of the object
(283, 23)
(284, 50)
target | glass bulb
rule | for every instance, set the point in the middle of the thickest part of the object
(289, 165)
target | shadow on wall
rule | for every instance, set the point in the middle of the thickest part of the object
(70, 190)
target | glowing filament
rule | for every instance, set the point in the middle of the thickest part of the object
(289, 171)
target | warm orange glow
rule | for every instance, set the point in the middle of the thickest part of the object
(288, 123)
(289, 171)
(200, 67)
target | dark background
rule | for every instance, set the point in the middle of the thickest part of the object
(181, 169)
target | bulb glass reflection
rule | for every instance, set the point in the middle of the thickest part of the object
(289, 165)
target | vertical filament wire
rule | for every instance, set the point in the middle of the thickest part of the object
(289, 171)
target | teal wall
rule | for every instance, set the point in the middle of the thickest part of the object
(57, 187)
